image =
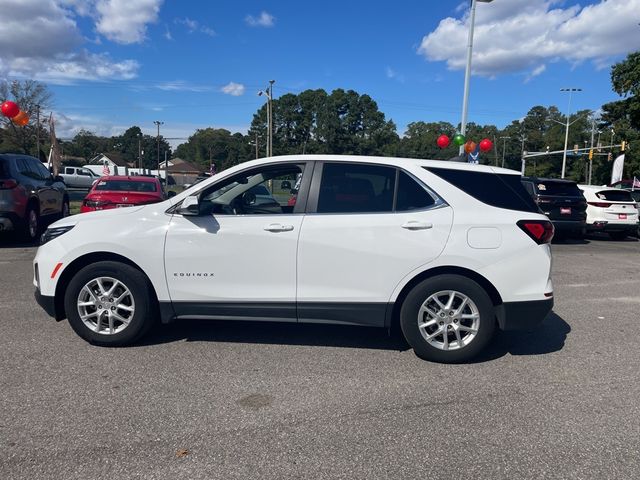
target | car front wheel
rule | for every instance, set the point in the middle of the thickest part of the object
(109, 304)
(447, 319)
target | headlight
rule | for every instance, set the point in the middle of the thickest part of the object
(51, 233)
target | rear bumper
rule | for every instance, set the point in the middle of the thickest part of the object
(523, 315)
(48, 304)
(604, 226)
(569, 225)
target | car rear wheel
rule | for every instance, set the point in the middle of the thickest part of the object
(447, 319)
(109, 304)
(31, 224)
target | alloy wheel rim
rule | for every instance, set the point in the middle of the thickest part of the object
(106, 305)
(33, 223)
(448, 320)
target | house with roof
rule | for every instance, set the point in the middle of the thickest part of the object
(182, 171)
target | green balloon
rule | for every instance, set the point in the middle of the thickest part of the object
(459, 139)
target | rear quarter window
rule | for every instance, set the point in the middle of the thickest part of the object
(495, 189)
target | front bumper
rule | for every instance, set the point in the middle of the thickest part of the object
(523, 315)
(48, 304)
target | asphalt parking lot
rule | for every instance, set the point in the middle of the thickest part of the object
(244, 400)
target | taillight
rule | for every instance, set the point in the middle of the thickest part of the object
(540, 231)
(8, 184)
(600, 204)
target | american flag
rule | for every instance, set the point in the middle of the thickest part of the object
(105, 169)
(635, 184)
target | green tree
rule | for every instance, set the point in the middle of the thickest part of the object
(28, 94)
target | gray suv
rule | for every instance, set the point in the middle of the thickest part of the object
(30, 196)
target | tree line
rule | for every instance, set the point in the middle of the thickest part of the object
(347, 122)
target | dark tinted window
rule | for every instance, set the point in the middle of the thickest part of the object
(411, 195)
(497, 190)
(560, 189)
(528, 186)
(354, 188)
(615, 196)
(5, 168)
(40, 170)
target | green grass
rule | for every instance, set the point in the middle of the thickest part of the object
(74, 207)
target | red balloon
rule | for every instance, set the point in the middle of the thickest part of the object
(443, 141)
(10, 109)
(486, 145)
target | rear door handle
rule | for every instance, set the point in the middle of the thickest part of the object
(277, 227)
(413, 225)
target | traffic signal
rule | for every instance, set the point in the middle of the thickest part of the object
(622, 145)
(591, 154)
(575, 149)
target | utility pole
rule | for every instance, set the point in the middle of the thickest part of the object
(271, 82)
(158, 123)
(524, 139)
(38, 131)
(593, 135)
(504, 144)
(140, 150)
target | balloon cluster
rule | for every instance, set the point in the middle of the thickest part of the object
(470, 146)
(12, 110)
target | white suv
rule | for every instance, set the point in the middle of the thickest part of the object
(446, 250)
(610, 210)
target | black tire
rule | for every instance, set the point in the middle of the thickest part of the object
(66, 211)
(618, 235)
(31, 228)
(485, 323)
(140, 322)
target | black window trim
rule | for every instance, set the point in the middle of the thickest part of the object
(314, 191)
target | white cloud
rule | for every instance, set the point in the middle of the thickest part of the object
(392, 74)
(263, 20)
(181, 85)
(125, 21)
(41, 40)
(193, 26)
(525, 35)
(234, 89)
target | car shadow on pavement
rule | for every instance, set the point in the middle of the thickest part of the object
(548, 337)
(275, 333)
(10, 240)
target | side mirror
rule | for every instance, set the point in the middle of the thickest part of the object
(190, 206)
(171, 194)
(285, 185)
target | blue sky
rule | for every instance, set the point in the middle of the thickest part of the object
(116, 63)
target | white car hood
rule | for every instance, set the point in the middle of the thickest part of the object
(97, 215)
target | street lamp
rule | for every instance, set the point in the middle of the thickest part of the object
(467, 72)
(566, 132)
(157, 124)
(268, 92)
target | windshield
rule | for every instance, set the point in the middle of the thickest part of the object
(125, 186)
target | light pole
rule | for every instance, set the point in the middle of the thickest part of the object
(157, 124)
(504, 144)
(566, 132)
(140, 150)
(268, 92)
(467, 72)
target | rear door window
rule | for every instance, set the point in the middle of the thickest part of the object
(411, 194)
(615, 195)
(356, 188)
(495, 189)
(5, 170)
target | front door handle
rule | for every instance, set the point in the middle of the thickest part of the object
(413, 225)
(277, 227)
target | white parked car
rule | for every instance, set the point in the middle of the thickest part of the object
(610, 210)
(446, 250)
